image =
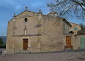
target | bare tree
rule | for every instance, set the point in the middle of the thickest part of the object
(68, 7)
(82, 26)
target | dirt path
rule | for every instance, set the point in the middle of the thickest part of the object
(58, 56)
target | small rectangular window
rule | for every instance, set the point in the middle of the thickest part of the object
(25, 31)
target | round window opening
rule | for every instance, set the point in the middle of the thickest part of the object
(26, 19)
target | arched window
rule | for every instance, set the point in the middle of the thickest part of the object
(26, 19)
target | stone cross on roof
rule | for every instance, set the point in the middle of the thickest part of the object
(25, 8)
(40, 11)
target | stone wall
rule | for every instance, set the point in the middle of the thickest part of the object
(47, 36)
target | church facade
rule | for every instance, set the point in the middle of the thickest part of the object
(35, 32)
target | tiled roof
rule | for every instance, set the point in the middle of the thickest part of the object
(81, 32)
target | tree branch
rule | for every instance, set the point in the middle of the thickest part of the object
(78, 3)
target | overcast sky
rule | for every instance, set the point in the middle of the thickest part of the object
(9, 7)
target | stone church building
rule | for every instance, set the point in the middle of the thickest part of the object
(35, 32)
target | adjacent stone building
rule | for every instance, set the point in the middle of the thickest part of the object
(75, 28)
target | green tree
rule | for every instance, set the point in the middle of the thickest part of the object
(1, 41)
(2, 44)
(82, 27)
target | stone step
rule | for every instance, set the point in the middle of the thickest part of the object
(23, 52)
(68, 49)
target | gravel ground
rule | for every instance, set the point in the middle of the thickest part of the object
(54, 56)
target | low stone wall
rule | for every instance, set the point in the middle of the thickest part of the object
(2, 50)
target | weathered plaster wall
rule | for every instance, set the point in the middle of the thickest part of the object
(51, 30)
(75, 25)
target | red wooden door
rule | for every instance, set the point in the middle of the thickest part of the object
(25, 44)
(68, 42)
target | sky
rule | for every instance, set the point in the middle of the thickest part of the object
(9, 7)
